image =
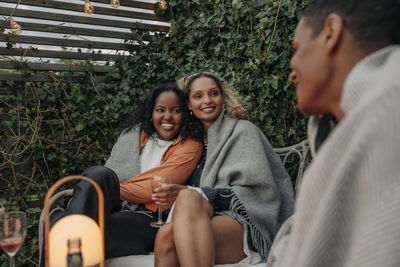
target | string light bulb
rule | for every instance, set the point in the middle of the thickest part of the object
(172, 29)
(114, 3)
(15, 27)
(88, 8)
(163, 5)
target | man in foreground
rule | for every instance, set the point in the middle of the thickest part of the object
(346, 70)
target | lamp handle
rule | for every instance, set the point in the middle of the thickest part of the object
(51, 192)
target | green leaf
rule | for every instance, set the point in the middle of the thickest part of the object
(80, 126)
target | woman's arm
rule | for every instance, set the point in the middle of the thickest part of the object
(178, 163)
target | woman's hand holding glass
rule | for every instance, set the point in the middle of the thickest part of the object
(156, 183)
(165, 196)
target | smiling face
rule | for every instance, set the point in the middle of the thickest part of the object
(205, 100)
(167, 115)
(311, 71)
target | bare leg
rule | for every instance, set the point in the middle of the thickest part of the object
(228, 237)
(195, 239)
(164, 247)
(193, 233)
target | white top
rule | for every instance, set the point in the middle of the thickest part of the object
(152, 153)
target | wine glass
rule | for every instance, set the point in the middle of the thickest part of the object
(156, 182)
(2, 209)
(12, 232)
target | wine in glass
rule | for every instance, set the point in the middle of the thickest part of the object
(2, 209)
(156, 182)
(12, 232)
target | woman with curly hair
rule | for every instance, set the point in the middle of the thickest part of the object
(243, 192)
(158, 142)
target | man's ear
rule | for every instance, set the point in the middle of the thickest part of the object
(333, 31)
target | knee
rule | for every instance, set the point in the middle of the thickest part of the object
(94, 172)
(164, 242)
(190, 202)
(100, 175)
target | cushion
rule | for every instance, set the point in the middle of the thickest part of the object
(148, 261)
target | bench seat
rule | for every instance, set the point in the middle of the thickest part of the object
(148, 261)
(300, 150)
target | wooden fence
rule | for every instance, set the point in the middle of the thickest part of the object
(58, 31)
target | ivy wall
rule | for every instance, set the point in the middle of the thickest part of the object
(50, 130)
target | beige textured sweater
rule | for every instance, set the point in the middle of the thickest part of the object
(347, 212)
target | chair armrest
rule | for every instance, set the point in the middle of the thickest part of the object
(53, 201)
(302, 150)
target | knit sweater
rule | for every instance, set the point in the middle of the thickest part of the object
(347, 211)
(239, 156)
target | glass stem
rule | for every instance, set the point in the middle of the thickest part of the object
(12, 261)
(159, 214)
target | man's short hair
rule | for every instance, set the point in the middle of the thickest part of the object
(373, 23)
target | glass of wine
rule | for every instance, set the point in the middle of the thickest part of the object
(2, 209)
(156, 182)
(12, 232)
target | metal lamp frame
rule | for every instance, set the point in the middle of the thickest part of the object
(50, 193)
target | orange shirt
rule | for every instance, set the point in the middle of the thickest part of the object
(178, 162)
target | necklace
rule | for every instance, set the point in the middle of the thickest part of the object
(163, 143)
(159, 142)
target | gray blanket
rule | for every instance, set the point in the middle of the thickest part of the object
(125, 157)
(240, 156)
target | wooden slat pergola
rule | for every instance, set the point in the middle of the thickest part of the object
(55, 30)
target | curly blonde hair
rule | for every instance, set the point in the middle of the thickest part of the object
(234, 105)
